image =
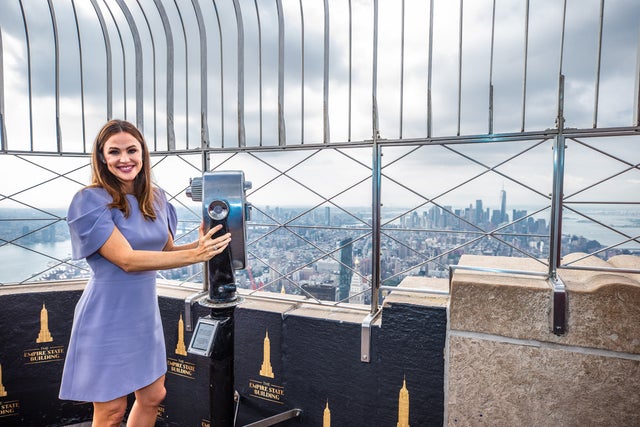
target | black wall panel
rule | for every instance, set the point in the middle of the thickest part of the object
(281, 363)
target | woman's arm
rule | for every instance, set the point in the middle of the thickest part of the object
(171, 246)
(118, 250)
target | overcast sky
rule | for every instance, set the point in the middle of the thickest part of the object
(429, 171)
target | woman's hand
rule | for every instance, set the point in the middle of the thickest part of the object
(208, 247)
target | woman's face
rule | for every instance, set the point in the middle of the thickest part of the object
(123, 156)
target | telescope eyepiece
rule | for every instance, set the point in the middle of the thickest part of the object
(218, 210)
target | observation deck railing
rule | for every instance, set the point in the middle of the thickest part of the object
(383, 139)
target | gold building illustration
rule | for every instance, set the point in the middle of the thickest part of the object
(3, 392)
(403, 405)
(44, 335)
(265, 369)
(326, 418)
(180, 348)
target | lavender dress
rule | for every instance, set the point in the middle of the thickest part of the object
(117, 342)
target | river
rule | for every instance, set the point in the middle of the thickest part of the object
(19, 264)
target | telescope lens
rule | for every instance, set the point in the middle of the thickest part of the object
(218, 210)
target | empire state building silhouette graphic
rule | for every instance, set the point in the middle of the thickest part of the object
(44, 335)
(265, 369)
(403, 405)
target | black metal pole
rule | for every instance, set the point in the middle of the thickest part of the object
(221, 378)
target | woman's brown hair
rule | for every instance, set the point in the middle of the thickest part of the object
(102, 177)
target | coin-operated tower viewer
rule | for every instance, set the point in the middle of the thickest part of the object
(223, 197)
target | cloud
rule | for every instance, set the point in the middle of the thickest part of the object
(303, 106)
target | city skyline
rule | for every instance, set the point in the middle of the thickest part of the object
(424, 227)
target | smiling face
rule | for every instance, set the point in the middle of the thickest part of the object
(123, 156)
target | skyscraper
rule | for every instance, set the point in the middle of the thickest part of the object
(503, 205)
(479, 211)
(346, 264)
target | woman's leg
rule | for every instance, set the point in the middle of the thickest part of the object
(109, 414)
(145, 409)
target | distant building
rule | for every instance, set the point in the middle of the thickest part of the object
(327, 266)
(357, 292)
(323, 291)
(503, 206)
(346, 265)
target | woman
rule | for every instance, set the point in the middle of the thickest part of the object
(125, 228)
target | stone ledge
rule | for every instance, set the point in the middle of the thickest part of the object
(296, 305)
(604, 307)
(508, 305)
(602, 310)
(66, 285)
(582, 280)
(263, 301)
(419, 298)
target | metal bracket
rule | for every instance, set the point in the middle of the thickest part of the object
(365, 336)
(275, 419)
(188, 303)
(559, 307)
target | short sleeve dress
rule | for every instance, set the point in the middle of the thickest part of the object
(117, 340)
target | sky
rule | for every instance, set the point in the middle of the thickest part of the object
(402, 110)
